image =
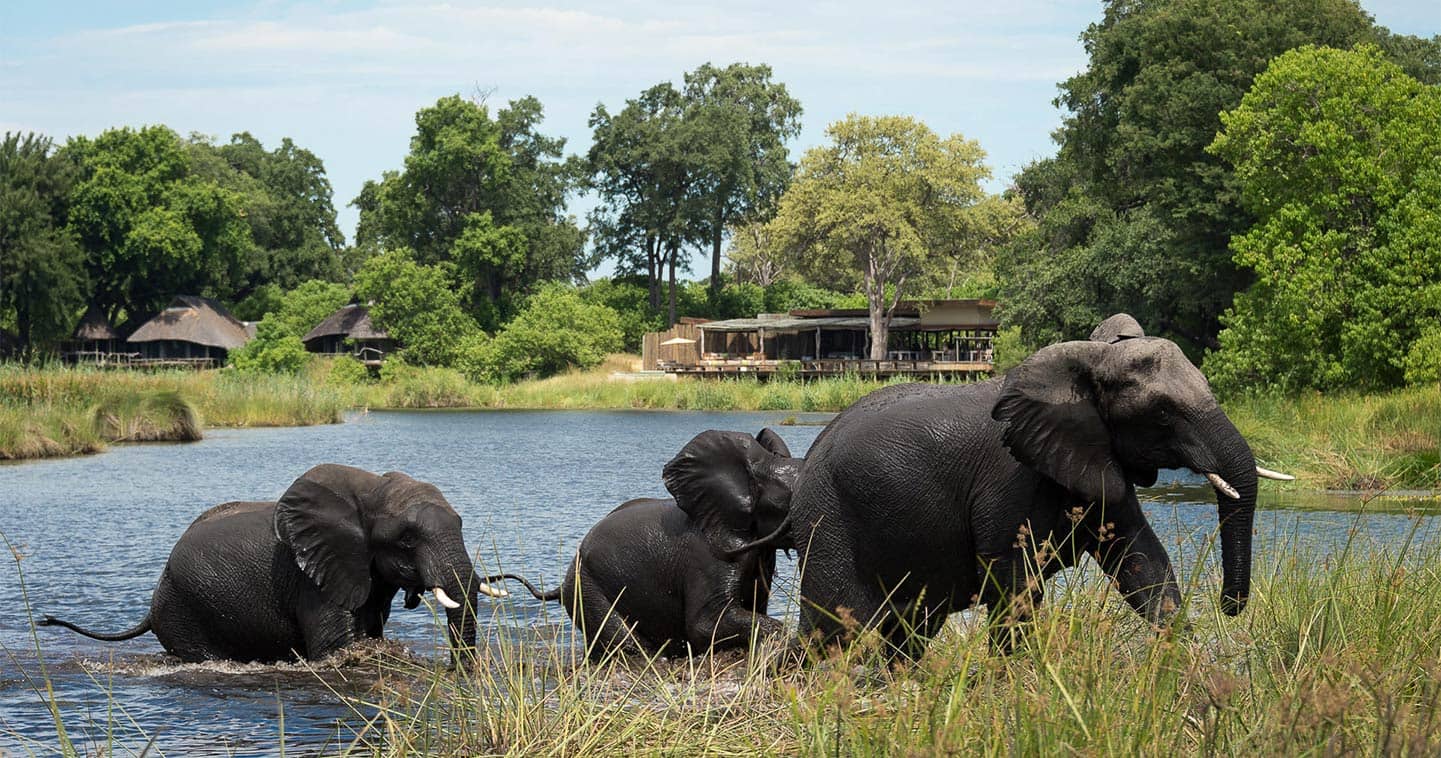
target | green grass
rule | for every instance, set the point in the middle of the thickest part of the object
(57, 411)
(1379, 441)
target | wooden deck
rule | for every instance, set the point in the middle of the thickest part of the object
(831, 367)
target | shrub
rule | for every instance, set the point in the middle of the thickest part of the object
(282, 355)
(556, 330)
(1423, 360)
(417, 305)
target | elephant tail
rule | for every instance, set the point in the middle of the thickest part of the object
(141, 628)
(552, 595)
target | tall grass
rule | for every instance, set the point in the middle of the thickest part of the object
(1334, 659)
(56, 410)
(1348, 441)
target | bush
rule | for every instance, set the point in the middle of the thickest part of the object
(631, 302)
(1423, 360)
(556, 330)
(347, 372)
(417, 305)
(282, 355)
(1009, 348)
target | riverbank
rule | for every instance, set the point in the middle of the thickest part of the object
(1372, 443)
(1334, 658)
(55, 412)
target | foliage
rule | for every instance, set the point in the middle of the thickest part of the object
(486, 195)
(42, 273)
(1009, 349)
(741, 122)
(345, 371)
(417, 305)
(1338, 155)
(1133, 213)
(884, 200)
(1423, 360)
(557, 329)
(630, 302)
(277, 347)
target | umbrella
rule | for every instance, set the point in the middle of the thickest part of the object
(678, 341)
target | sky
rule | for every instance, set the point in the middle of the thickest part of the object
(344, 79)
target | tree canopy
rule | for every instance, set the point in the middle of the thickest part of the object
(1133, 213)
(1338, 156)
(885, 199)
(42, 272)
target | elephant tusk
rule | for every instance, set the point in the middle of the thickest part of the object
(489, 591)
(1266, 473)
(444, 599)
(1223, 486)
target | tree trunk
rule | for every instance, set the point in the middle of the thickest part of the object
(876, 307)
(671, 255)
(715, 254)
(652, 259)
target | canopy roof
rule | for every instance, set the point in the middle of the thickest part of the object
(351, 321)
(197, 320)
(793, 324)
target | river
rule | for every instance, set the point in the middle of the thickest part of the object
(93, 534)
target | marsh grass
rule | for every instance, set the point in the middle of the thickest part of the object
(55, 410)
(1329, 659)
(1372, 442)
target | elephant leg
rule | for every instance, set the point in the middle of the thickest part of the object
(326, 627)
(1141, 569)
(1012, 588)
(732, 626)
(604, 629)
(908, 632)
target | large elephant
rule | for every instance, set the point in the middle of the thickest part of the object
(311, 573)
(660, 575)
(922, 500)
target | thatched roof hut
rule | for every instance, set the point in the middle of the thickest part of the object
(94, 327)
(191, 329)
(349, 324)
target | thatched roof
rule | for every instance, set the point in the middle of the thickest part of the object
(197, 320)
(94, 326)
(351, 321)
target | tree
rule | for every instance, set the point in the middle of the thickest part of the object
(278, 334)
(884, 199)
(741, 122)
(42, 273)
(641, 162)
(150, 227)
(487, 195)
(754, 256)
(1133, 213)
(416, 305)
(1338, 156)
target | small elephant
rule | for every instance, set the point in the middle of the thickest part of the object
(311, 573)
(922, 500)
(661, 575)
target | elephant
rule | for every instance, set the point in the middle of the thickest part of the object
(923, 500)
(311, 573)
(657, 576)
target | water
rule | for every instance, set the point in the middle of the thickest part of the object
(95, 532)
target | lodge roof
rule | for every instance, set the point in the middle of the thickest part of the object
(94, 326)
(783, 323)
(197, 320)
(352, 321)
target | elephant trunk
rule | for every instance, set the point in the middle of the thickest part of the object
(453, 579)
(1235, 465)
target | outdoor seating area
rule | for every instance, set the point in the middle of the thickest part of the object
(926, 339)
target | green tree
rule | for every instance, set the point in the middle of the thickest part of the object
(151, 228)
(741, 121)
(1338, 156)
(418, 306)
(42, 273)
(642, 164)
(555, 330)
(487, 195)
(278, 334)
(883, 201)
(628, 298)
(1133, 213)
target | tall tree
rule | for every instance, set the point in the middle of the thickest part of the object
(884, 200)
(741, 121)
(642, 163)
(486, 194)
(1133, 213)
(1338, 154)
(42, 272)
(150, 227)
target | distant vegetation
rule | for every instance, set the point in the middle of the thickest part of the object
(1255, 180)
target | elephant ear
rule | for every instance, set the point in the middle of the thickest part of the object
(1051, 421)
(711, 478)
(773, 442)
(319, 518)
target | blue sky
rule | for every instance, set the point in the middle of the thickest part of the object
(345, 79)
